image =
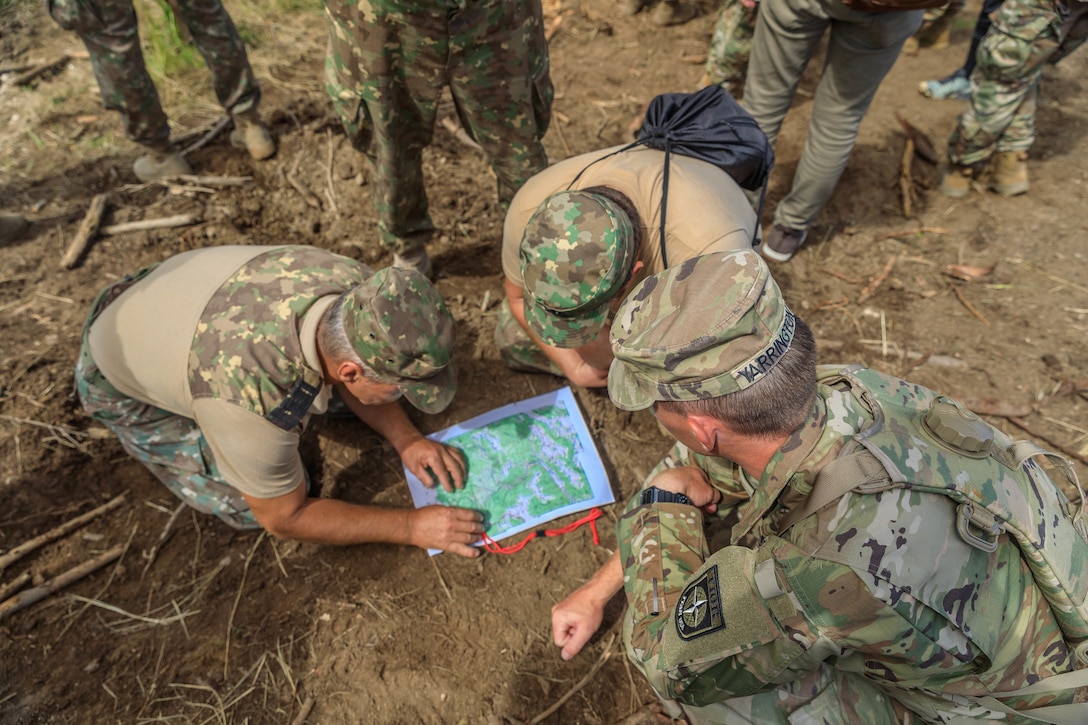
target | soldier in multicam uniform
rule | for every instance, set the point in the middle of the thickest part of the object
(387, 64)
(579, 235)
(108, 29)
(209, 366)
(996, 129)
(873, 608)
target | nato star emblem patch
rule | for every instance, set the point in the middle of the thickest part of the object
(699, 610)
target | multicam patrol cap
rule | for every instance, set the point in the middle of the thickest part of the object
(576, 254)
(711, 326)
(403, 331)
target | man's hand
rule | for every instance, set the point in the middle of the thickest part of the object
(693, 483)
(575, 620)
(431, 461)
(583, 374)
(578, 617)
(446, 528)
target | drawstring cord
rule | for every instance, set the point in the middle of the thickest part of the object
(591, 518)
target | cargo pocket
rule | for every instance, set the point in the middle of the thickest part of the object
(1012, 53)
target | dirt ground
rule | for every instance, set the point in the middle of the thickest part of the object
(228, 628)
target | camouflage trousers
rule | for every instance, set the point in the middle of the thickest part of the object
(1024, 35)
(171, 446)
(108, 29)
(730, 46)
(517, 349)
(387, 64)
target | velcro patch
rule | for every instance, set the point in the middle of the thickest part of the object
(699, 610)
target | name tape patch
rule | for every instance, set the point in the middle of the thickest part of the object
(760, 364)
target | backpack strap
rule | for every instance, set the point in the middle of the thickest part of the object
(835, 480)
(1023, 450)
(1073, 714)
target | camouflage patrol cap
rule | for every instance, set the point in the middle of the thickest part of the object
(402, 330)
(708, 327)
(576, 254)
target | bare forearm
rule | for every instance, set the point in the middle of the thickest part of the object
(328, 521)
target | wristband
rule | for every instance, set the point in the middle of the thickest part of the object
(654, 495)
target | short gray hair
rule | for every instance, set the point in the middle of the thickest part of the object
(332, 338)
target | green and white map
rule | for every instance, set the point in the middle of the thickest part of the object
(528, 463)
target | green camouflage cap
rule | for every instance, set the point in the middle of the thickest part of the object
(402, 330)
(576, 254)
(708, 327)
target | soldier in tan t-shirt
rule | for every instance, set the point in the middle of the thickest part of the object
(209, 366)
(580, 234)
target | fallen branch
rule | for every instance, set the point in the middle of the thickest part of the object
(1019, 423)
(460, 133)
(878, 280)
(304, 711)
(14, 585)
(15, 68)
(291, 179)
(906, 181)
(36, 594)
(55, 533)
(23, 78)
(214, 131)
(170, 222)
(87, 231)
(581, 683)
(969, 306)
(209, 180)
(331, 191)
(154, 553)
(920, 143)
(843, 277)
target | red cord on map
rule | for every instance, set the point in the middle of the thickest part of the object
(590, 518)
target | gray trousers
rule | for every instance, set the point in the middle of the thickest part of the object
(861, 50)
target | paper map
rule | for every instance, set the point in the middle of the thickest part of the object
(528, 463)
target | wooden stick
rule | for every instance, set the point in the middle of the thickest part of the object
(15, 68)
(878, 280)
(23, 78)
(36, 594)
(209, 180)
(237, 598)
(304, 711)
(38, 541)
(843, 277)
(969, 306)
(162, 538)
(581, 683)
(1019, 423)
(331, 191)
(212, 133)
(14, 585)
(441, 579)
(87, 230)
(179, 220)
(307, 196)
(906, 181)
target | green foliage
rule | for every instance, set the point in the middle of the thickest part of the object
(167, 53)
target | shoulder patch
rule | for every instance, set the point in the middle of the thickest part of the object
(699, 611)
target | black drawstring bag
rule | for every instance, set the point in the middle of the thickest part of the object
(711, 126)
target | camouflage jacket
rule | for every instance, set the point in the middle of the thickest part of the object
(247, 350)
(880, 585)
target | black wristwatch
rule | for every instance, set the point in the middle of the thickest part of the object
(656, 495)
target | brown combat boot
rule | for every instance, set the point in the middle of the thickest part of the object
(956, 180)
(161, 163)
(250, 134)
(631, 7)
(1009, 173)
